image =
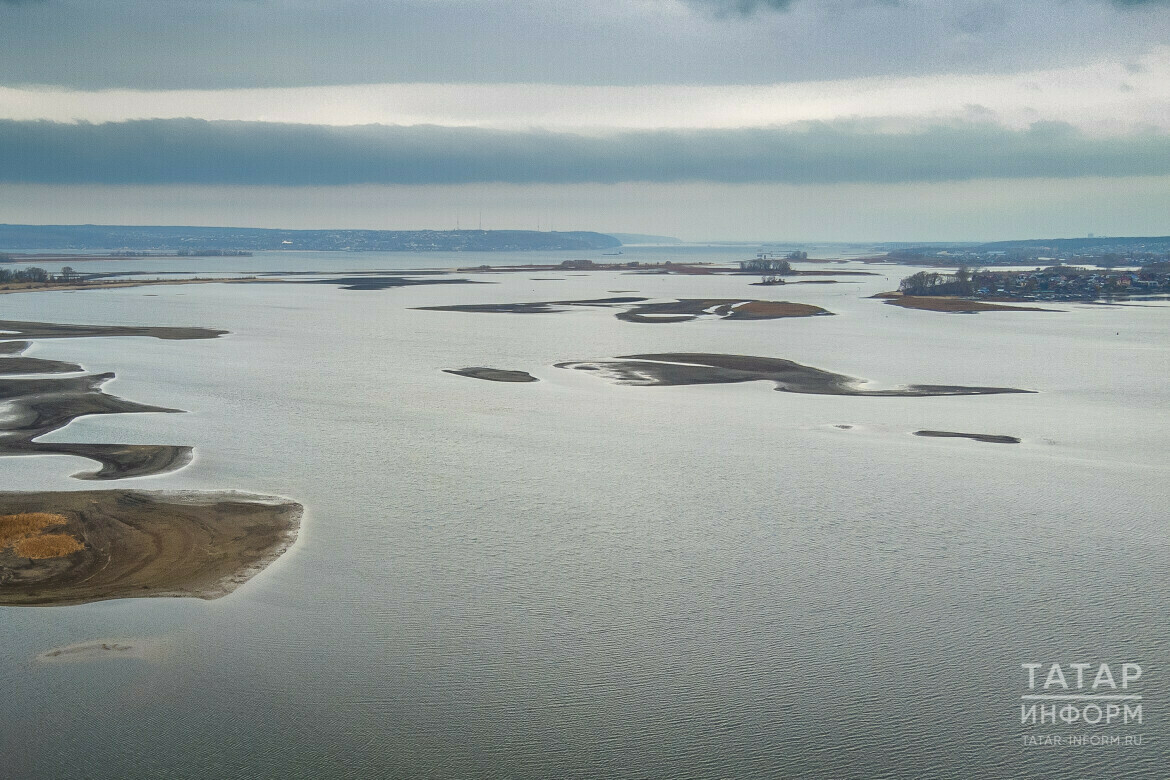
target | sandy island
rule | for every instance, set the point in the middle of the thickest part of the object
(43, 402)
(990, 438)
(382, 282)
(946, 304)
(687, 309)
(691, 368)
(493, 374)
(639, 310)
(76, 547)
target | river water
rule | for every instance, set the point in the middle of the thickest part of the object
(575, 579)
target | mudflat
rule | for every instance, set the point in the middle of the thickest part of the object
(42, 402)
(954, 305)
(695, 368)
(663, 312)
(492, 374)
(990, 438)
(75, 547)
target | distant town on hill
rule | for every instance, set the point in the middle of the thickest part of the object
(202, 239)
(1093, 250)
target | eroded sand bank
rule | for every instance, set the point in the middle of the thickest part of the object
(75, 547)
(40, 401)
(694, 368)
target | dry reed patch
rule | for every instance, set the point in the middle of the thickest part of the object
(24, 534)
(47, 546)
(15, 527)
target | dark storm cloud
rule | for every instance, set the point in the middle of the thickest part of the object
(189, 151)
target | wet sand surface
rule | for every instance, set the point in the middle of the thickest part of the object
(990, 438)
(20, 329)
(542, 307)
(38, 405)
(492, 374)
(954, 305)
(640, 310)
(692, 368)
(687, 309)
(374, 282)
(13, 363)
(137, 544)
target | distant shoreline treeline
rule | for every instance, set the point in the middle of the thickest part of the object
(202, 239)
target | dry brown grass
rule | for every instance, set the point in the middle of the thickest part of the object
(24, 533)
(766, 310)
(16, 527)
(47, 546)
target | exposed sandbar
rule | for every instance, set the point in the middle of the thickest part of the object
(371, 282)
(136, 544)
(541, 307)
(690, 368)
(635, 309)
(28, 365)
(687, 309)
(493, 374)
(13, 347)
(953, 305)
(991, 438)
(107, 284)
(118, 461)
(20, 329)
(38, 405)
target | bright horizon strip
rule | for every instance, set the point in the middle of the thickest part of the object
(1103, 96)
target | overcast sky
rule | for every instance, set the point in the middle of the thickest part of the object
(740, 119)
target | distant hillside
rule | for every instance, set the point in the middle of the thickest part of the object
(85, 237)
(642, 238)
(1082, 245)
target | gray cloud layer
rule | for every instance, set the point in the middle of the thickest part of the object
(189, 151)
(751, 6)
(243, 43)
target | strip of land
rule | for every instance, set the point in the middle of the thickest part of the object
(990, 438)
(76, 547)
(108, 284)
(493, 374)
(693, 368)
(640, 310)
(21, 329)
(378, 282)
(687, 309)
(946, 304)
(42, 402)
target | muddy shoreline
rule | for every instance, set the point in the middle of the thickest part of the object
(641, 310)
(695, 368)
(951, 305)
(138, 544)
(42, 401)
(990, 438)
(492, 374)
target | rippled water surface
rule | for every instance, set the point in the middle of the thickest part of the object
(571, 578)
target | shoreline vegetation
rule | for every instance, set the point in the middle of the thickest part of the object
(695, 368)
(76, 547)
